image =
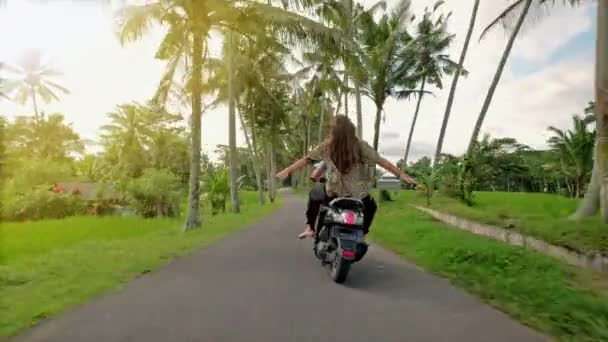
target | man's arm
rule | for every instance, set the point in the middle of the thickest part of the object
(318, 172)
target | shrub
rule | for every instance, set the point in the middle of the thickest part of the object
(32, 173)
(41, 203)
(155, 193)
(217, 189)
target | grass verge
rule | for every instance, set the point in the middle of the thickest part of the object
(48, 266)
(543, 216)
(537, 290)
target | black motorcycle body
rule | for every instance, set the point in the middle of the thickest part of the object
(339, 241)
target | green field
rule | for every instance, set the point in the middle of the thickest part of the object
(537, 290)
(47, 266)
(541, 215)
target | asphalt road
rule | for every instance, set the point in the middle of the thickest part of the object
(262, 284)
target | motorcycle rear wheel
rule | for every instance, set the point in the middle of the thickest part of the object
(339, 269)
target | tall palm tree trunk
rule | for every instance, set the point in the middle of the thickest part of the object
(377, 125)
(35, 103)
(601, 93)
(591, 203)
(359, 110)
(193, 219)
(409, 139)
(304, 151)
(321, 119)
(597, 189)
(345, 93)
(338, 106)
(234, 191)
(448, 107)
(271, 171)
(501, 66)
(254, 160)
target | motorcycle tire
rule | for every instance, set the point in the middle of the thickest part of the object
(339, 269)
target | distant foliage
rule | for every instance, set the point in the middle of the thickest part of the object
(41, 203)
(155, 193)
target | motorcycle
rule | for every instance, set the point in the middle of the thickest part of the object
(339, 242)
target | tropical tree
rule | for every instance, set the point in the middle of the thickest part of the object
(325, 79)
(49, 138)
(347, 16)
(430, 51)
(125, 139)
(595, 197)
(448, 107)
(32, 79)
(386, 43)
(189, 24)
(520, 10)
(575, 150)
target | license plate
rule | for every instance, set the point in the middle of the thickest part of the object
(350, 236)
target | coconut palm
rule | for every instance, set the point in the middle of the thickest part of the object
(347, 16)
(325, 79)
(126, 137)
(575, 150)
(385, 44)
(594, 199)
(430, 51)
(32, 79)
(520, 10)
(189, 24)
(448, 107)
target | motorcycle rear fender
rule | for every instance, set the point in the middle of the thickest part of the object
(347, 245)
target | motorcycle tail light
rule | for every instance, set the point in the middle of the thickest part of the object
(348, 254)
(349, 217)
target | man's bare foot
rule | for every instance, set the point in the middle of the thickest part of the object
(308, 232)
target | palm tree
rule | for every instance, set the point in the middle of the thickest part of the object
(347, 16)
(126, 138)
(575, 150)
(595, 198)
(325, 79)
(189, 24)
(384, 45)
(520, 9)
(430, 48)
(590, 113)
(448, 107)
(33, 79)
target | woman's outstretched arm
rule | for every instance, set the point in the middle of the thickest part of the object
(390, 167)
(301, 163)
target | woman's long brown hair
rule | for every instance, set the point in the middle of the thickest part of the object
(343, 145)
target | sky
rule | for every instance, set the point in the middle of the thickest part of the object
(549, 76)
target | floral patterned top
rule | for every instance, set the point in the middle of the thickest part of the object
(357, 181)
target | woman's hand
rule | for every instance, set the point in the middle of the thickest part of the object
(407, 178)
(283, 174)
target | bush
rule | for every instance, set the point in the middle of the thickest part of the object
(41, 203)
(34, 173)
(217, 189)
(155, 193)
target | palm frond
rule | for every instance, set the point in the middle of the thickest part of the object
(540, 9)
(135, 21)
(56, 86)
(508, 13)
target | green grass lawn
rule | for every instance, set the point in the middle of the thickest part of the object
(541, 215)
(47, 266)
(537, 290)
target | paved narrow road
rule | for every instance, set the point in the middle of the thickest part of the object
(263, 285)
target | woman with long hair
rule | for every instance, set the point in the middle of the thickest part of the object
(349, 163)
